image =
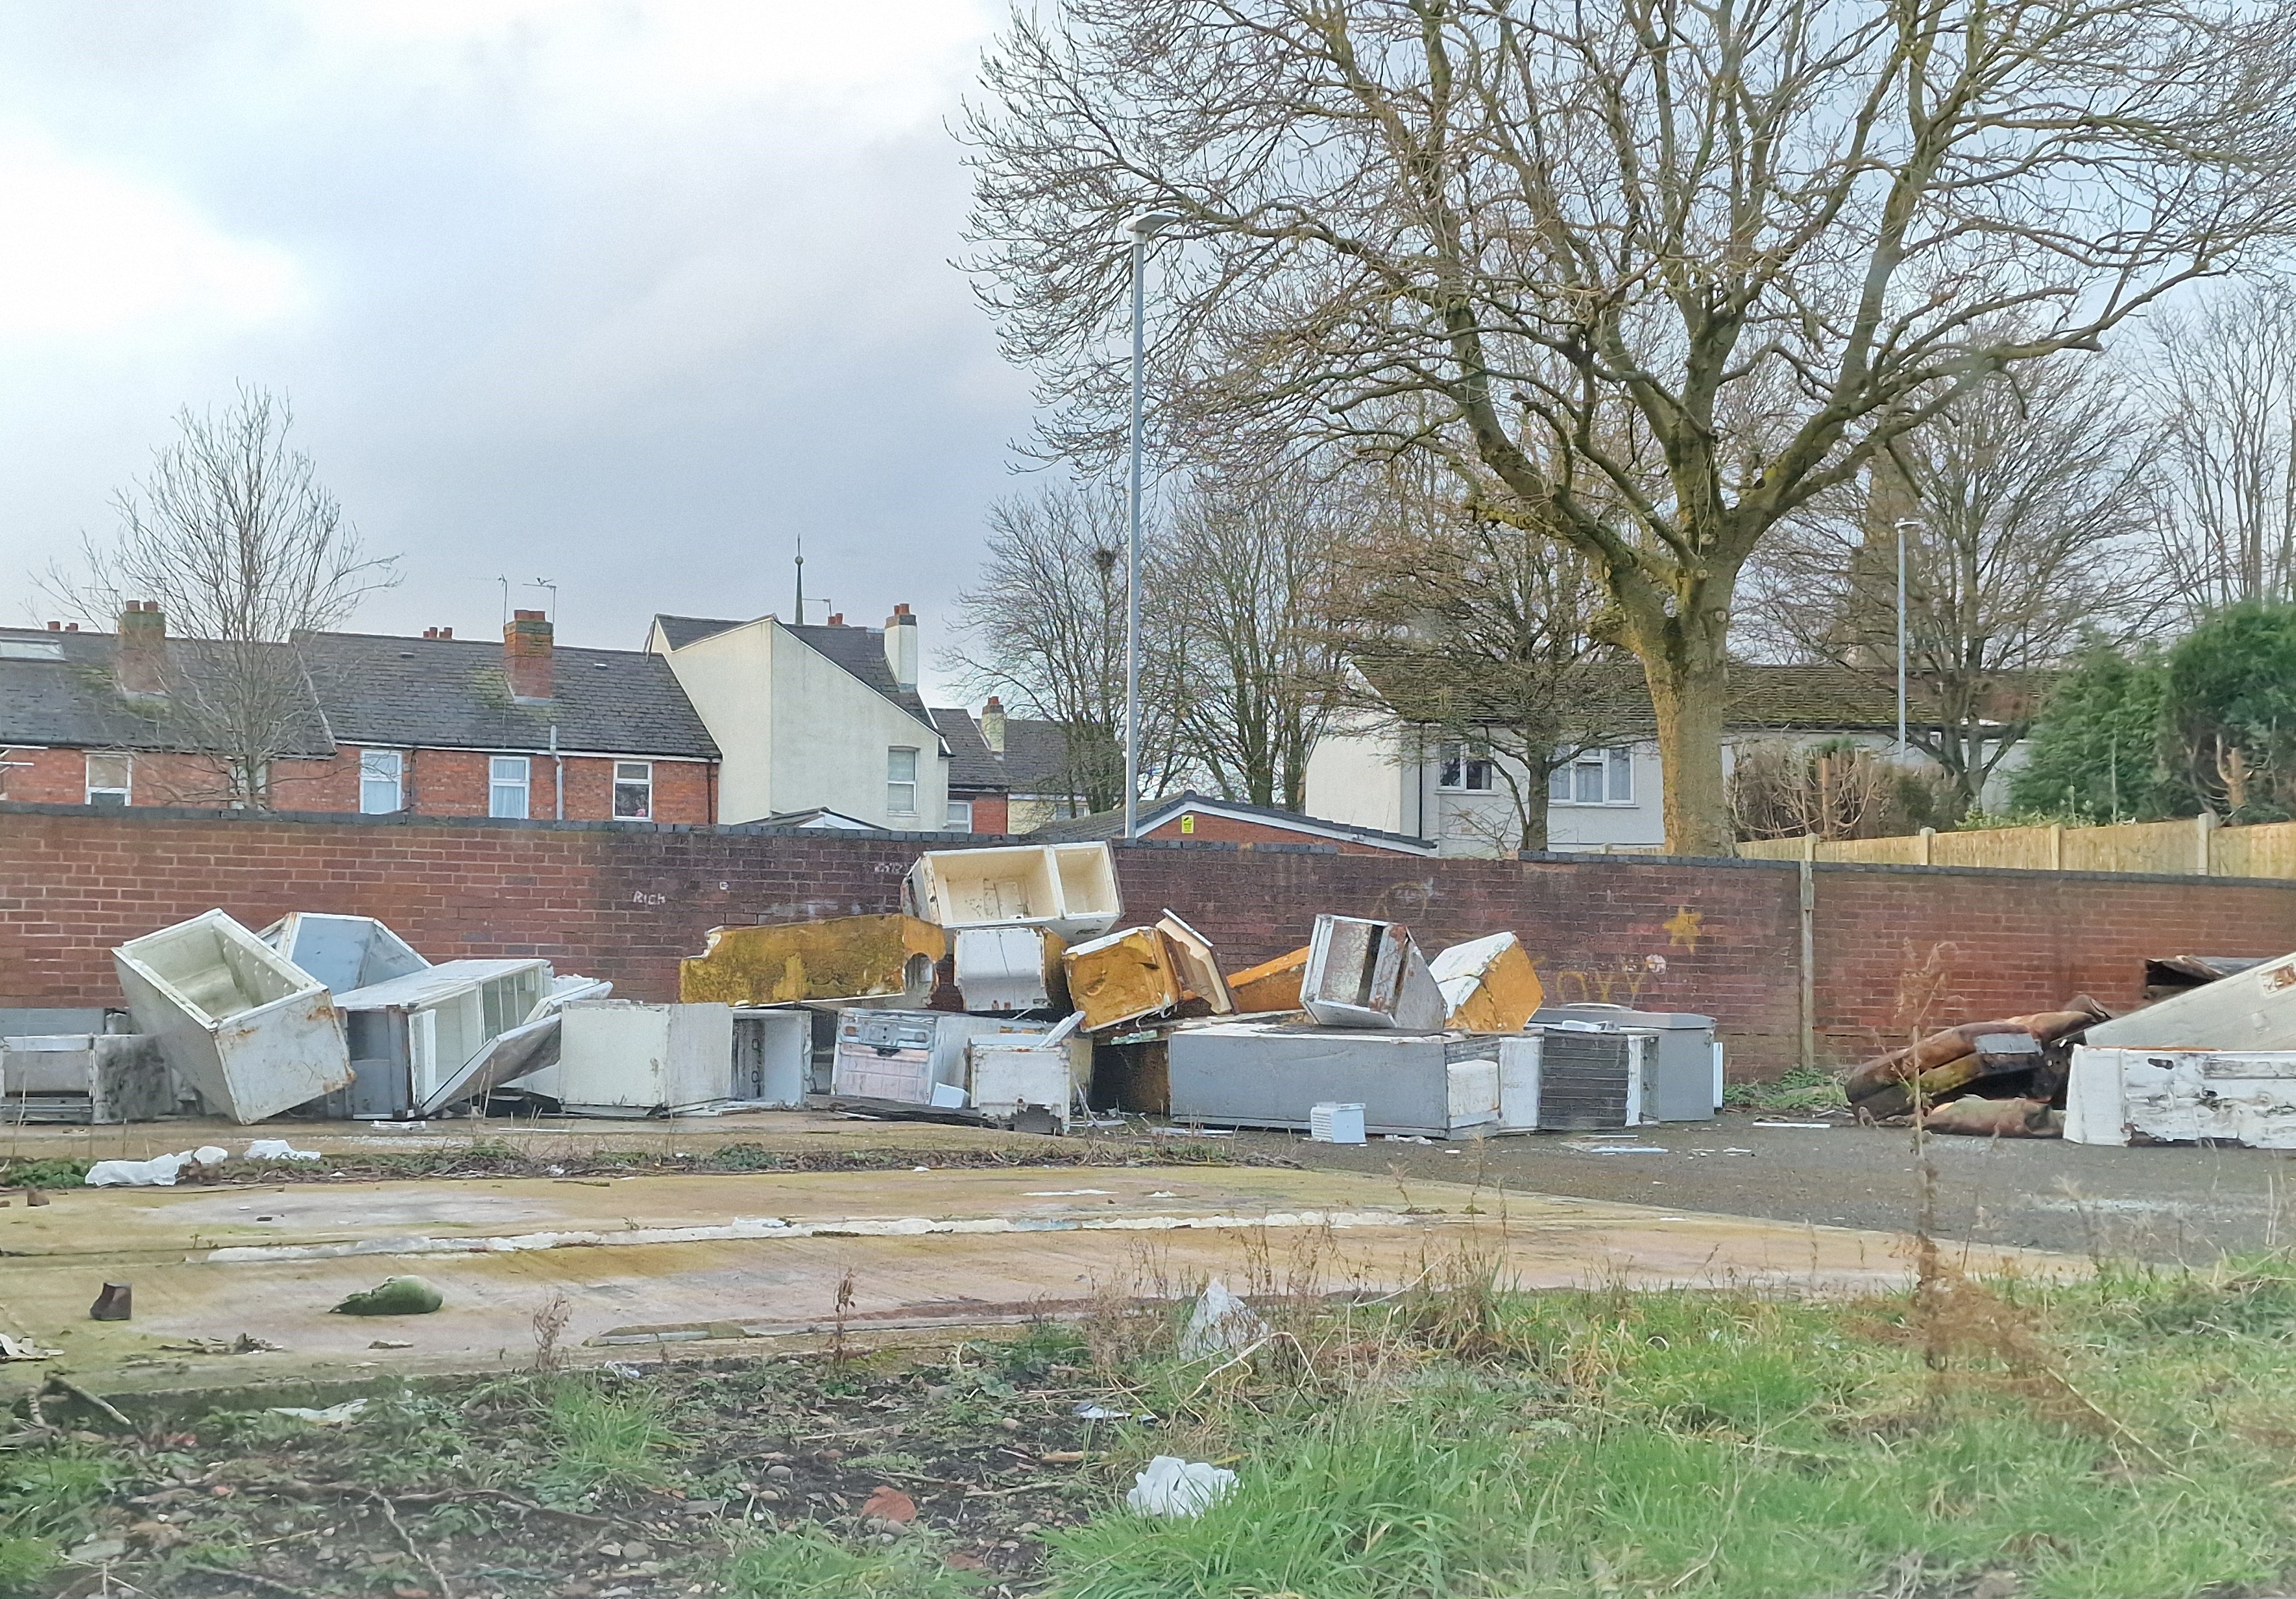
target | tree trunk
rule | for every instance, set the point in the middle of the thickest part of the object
(1532, 809)
(1690, 690)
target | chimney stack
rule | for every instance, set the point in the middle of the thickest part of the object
(526, 655)
(901, 647)
(992, 725)
(140, 665)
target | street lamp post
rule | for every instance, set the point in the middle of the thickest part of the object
(1139, 229)
(1903, 523)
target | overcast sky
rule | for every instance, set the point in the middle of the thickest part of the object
(627, 295)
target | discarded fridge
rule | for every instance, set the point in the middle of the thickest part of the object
(1011, 969)
(1564, 1078)
(852, 959)
(1684, 1080)
(2250, 1010)
(617, 1057)
(1369, 974)
(251, 1032)
(342, 952)
(97, 1079)
(913, 1057)
(1248, 1074)
(2182, 1096)
(1488, 985)
(773, 1055)
(1068, 888)
(426, 1041)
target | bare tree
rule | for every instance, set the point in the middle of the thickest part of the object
(233, 536)
(1647, 274)
(1477, 634)
(2223, 380)
(2025, 509)
(1242, 594)
(1044, 624)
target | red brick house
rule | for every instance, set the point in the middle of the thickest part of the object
(435, 725)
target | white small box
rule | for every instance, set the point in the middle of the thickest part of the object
(1330, 1123)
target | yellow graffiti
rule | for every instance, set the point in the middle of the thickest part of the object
(1683, 930)
(1575, 985)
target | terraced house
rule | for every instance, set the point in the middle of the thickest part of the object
(351, 723)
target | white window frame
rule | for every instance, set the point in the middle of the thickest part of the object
(896, 802)
(126, 790)
(499, 785)
(623, 778)
(959, 816)
(1456, 765)
(377, 768)
(1612, 772)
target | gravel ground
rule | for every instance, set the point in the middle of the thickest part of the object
(2166, 1203)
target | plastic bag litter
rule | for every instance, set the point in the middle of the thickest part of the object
(1220, 1322)
(333, 1416)
(1173, 1487)
(161, 1171)
(278, 1149)
(1087, 1411)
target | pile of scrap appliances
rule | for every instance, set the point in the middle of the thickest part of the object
(1056, 1013)
(2209, 1058)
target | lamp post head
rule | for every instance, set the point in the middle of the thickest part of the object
(1148, 224)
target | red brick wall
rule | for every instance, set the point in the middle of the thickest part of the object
(626, 902)
(992, 814)
(1230, 830)
(435, 783)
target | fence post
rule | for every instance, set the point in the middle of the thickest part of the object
(2056, 846)
(1808, 886)
(1809, 847)
(1927, 833)
(2205, 827)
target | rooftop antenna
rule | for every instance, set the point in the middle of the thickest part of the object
(552, 588)
(801, 579)
(506, 587)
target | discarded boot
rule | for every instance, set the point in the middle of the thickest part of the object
(115, 1303)
(393, 1296)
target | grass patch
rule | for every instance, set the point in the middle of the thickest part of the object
(2121, 1439)
(1796, 1088)
(604, 1441)
(808, 1563)
(47, 1498)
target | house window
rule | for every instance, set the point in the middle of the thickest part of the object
(1595, 777)
(506, 786)
(959, 816)
(901, 782)
(633, 790)
(380, 787)
(111, 779)
(1466, 768)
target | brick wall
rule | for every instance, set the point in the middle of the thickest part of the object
(626, 902)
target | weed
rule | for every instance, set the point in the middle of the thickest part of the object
(44, 1174)
(1044, 1347)
(809, 1563)
(601, 1441)
(1796, 1088)
(549, 1323)
(47, 1495)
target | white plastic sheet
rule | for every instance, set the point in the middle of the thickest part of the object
(1173, 1487)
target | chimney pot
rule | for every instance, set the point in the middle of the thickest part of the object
(837, 619)
(901, 610)
(446, 633)
(430, 632)
(55, 627)
(992, 725)
(140, 655)
(526, 655)
(71, 626)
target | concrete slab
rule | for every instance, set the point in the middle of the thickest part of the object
(649, 1261)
